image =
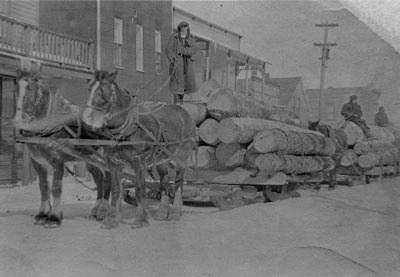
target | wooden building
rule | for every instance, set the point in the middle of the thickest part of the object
(24, 44)
(292, 97)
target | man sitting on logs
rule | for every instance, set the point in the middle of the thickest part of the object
(352, 112)
(381, 118)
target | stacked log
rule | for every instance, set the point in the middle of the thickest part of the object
(372, 159)
(293, 143)
(226, 103)
(197, 111)
(208, 131)
(355, 134)
(291, 164)
(243, 129)
(349, 157)
(230, 154)
(205, 157)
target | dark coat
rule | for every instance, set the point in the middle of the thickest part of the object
(179, 53)
(381, 119)
(351, 111)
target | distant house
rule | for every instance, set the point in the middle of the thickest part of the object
(291, 97)
(332, 100)
(267, 93)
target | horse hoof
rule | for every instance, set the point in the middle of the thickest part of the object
(53, 221)
(175, 215)
(109, 225)
(139, 224)
(40, 218)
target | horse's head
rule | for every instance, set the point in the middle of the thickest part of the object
(105, 98)
(32, 98)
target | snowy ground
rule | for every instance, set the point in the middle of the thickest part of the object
(348, 232)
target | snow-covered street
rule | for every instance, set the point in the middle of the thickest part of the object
(347, 232)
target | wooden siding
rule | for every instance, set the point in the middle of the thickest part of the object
(25, 11)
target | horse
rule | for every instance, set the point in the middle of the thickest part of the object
(155, 135)
(340, 138)
(35, 104)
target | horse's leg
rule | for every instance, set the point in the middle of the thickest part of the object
(45, 206)
(163, 210)
(98, 180)
(105, 203)
(332, 179)
(141, 219)
(113, 215)
(176, 209)
(56, 215)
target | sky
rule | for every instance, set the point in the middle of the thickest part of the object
(283, 33)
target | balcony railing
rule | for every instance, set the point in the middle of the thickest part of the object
(31, 41)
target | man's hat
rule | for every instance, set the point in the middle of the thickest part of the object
(182, 24)
(353, 97)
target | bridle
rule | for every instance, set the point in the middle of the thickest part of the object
(31, 113)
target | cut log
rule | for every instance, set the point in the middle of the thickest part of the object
(363, 147)
(205, 91)
(208, 131)
(250, 157)
(293, 143)
(226, 103)
(353, 132)
(291, 164)
(205, 157)
(243, 129)
(197, 111)
(349, 157)
(230, 154)
(372, 159)
(378, 170)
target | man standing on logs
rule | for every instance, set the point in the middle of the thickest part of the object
(381, 118)
(180, 49)
(352, 112)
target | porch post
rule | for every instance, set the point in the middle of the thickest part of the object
(228, 77)
(207, 61)
(247, 76)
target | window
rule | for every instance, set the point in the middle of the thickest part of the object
(139, 48)
(118, 42)
(157, 47)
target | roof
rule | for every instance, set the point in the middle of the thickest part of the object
(287, 87)
(344, 91)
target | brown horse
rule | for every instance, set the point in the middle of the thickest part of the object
(340, 139)
(34, 107)
(154, 135)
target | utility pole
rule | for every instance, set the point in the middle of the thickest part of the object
(326, 47)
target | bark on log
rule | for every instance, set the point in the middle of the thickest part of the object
(197, 111)
(230, 154)
(205, 157)
(243, 129)
(291, 164)
(349, 157)
(382, 133)
(250, 157)
(208, 131)
(363, 147)
(373, 159)
(226, 103)
(293, 143)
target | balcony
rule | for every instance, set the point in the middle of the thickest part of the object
(21, 39)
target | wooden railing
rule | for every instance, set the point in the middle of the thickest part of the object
(31, 41)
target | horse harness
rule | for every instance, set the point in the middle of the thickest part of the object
(132, 124)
